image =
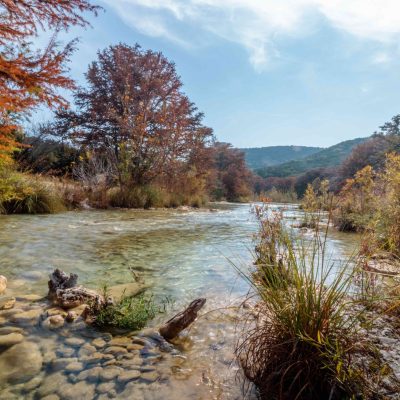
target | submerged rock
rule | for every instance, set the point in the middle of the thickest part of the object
(78, 391)
(127, 376)
(7, 302)
(20, 363)
(27, 317)
(3, 284)
(54, 322)
(50, 385)
(126, 289)
(11, 339)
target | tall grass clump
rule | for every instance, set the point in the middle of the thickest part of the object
(27, 194)
(304, 344)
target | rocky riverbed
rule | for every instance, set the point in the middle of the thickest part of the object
(74, 361)
(43, 355)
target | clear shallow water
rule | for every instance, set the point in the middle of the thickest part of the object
(180, 254)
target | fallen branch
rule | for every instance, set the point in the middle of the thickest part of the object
(182, 320)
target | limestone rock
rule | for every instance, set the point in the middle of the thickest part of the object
(10, 329)
(11, 339)
(51, 383)
(91, 375)
(105, 387)
(127, 376)
(74, 367)
(126, 289)
(59, 364)
(54, 322)
(150, 376)
(109, 374)
(3, 284)
(20, 363)
(74, 341)
(27, 317)
(120, 341)
(98, 343)
(78, 391)
(7, 302)
(115, 350)
(86, 350)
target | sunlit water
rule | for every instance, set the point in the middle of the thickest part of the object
(181, 255)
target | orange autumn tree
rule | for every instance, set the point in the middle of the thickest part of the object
(30, 77)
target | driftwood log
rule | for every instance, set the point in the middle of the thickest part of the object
(65, 292)
(182, 320)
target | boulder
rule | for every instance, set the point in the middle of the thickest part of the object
(3, 284)
(20, 363)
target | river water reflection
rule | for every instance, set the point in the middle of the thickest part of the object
(179, 254)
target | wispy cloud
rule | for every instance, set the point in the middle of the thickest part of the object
(257, 24)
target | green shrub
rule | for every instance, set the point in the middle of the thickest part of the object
(128, 313)
(27, 194)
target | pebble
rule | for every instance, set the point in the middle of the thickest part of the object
(27, 317)
(86, 350)
(127, 376)
(66, 352)
(74, 341)
(91, 375)
(134, 346)
(74, 367)
(116, 350)
(51, 383)
(51, 397)
(137, 340)
(105, 387)
(55, 311)
(149, 376)
(93, 358)
(78, 391)
(61, 363)
(98, 343)
(54, 322)
(108, 374)
(120, 341)
(7, 302)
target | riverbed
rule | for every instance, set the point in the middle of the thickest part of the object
(180, 254)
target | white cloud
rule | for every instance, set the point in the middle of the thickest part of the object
(255, 24)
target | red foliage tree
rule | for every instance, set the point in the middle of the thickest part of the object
(134, 105)
(29, 78)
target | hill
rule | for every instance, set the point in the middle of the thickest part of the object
(260, 157)
(329, 157)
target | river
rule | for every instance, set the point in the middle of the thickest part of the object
(180, 254)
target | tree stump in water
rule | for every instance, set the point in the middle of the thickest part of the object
(65, 292)
(182, 320)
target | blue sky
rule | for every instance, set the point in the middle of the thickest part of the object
(268, 72)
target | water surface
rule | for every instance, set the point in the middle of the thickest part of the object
(179, 254)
